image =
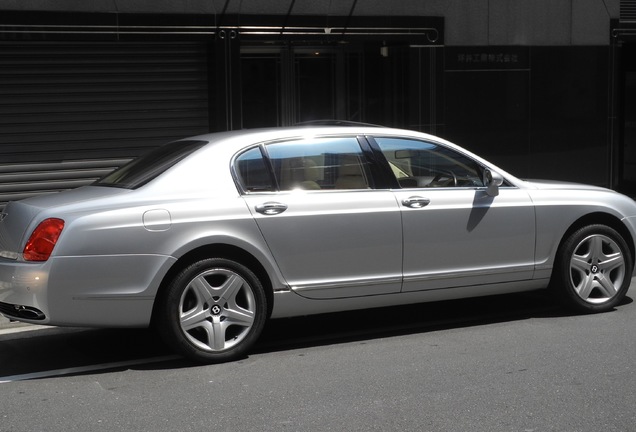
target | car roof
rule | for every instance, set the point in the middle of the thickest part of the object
(247, 137)
(229, 143)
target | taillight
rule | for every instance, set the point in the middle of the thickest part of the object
(43, 239)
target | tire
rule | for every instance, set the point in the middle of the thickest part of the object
(593, 269)
(212, 311)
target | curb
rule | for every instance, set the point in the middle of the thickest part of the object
(9, 327)
(6, 324)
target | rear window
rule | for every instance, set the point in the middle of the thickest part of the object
(140, 171)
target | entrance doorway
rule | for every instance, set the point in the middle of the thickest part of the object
(627, 155)
(283, 70)
(284, 86)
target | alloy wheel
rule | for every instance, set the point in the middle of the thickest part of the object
(217, 309)
(597, 269)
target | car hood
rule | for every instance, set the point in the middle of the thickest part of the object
(559, 185)
(20, 217)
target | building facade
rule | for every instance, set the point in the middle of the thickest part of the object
(544, 88)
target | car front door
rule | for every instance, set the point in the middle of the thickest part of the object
(455, 233)
(332, 234)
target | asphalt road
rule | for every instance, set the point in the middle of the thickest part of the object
(506, 363)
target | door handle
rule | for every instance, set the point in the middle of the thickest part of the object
(415, 202)
(271, 208)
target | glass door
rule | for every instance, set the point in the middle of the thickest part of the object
(261, 89)
(282, 86)
(627, 160)
(315, 85)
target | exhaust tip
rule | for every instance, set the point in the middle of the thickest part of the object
(20, 312)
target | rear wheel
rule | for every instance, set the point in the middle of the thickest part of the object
(593, 269)
(212, 311)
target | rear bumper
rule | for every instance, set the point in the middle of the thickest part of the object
(91, 291)
(23, 289)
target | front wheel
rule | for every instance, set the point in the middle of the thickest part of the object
(212, 311)
(593, 269)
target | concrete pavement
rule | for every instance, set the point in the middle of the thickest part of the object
(7, 326)
(4, 322)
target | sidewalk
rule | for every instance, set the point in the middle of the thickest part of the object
(4, 322)
(8, 327)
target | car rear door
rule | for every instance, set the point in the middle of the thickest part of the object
(331, 232)
(455, 234)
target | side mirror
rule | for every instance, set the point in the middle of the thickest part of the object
(492, 181)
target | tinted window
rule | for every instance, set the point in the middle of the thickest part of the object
(140, 171)
(423, 164)
(253, 172)
(319, 164)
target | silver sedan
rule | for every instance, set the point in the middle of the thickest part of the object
(208, 237)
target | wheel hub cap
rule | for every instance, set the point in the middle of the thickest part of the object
(597, 269)
(229, 318)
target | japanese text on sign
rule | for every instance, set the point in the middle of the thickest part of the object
(486, 58)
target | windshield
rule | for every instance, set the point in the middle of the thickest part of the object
(140, 171)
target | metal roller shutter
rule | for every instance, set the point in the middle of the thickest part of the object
(71, 112)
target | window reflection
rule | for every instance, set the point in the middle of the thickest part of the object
(424, 164)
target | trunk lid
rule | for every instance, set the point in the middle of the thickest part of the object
(19, 218)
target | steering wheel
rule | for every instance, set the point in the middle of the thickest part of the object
(444, 179)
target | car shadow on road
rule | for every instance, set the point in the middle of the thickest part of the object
(69, 351)
(353, 326)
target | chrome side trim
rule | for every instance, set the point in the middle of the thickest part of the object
(345, 284)
(114, 297)
(306, 287)
(289, 304)
(468, 273)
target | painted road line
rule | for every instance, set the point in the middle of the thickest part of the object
(85, 369)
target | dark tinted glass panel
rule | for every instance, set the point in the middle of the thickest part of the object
(315, 86)
(627, 156)
(140, 171)
(487, 113)
(568, 139)
(261, 90)
(538, 112)
(252, 171)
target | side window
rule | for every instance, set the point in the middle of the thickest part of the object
(423, 164)
(319, 164)
(253, 172)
